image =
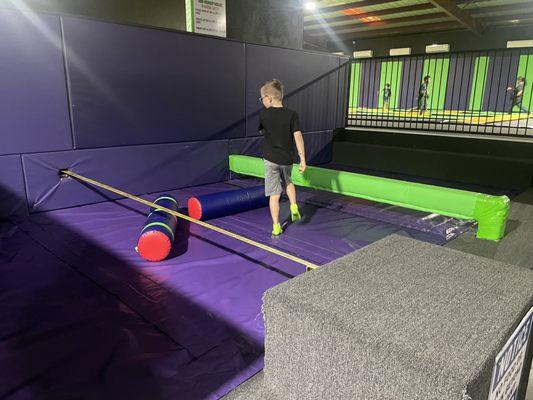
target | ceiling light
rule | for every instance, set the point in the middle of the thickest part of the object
(514, 21)
(310, 6)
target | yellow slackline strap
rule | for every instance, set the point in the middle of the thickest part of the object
(272, 250)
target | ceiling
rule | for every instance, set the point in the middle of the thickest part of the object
(345, 20)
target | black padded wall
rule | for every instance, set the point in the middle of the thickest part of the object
(272, 22)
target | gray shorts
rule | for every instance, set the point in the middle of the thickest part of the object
(274, 176)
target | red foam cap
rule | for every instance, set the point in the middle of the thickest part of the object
(195, 208)
(154, 246)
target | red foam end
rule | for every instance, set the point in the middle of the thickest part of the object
(154, 246)
(195, 208)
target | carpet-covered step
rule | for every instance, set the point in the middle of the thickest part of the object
(399, 319)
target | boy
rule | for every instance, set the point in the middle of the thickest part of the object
(517, 95)
(386, 96)
(423, 94)
(281, 129)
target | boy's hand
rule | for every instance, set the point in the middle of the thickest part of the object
(302, 167)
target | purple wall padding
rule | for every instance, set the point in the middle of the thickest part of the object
(33, 101)
(459, 82)
(135, 169)
(370, 76)
(410, 83)
(12, 195)
(246, 146)
(132, 85)
(342, 102)
(502, 72)
(318, 147)
(310, 80)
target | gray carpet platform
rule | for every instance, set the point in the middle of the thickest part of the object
(399, 319)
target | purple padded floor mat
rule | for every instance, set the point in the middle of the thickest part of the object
(63, 337)
(199, 312)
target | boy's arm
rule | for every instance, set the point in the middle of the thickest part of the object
(299, 140)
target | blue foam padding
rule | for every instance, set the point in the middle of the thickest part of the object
(315, 101)
(232, 202)
(412, 68)
(131, 85)
(501, 74)
(33, 104)
(135, 169)
(457, 88)
(12, 196)
(370, 76)
(162, 217)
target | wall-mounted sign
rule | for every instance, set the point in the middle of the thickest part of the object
(206, 16)
(510, 362)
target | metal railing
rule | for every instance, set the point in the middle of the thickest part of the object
(479, 92)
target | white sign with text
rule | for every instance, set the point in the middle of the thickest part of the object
(509, 362)
(210, 17)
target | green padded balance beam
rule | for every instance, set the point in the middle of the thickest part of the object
(490, 212)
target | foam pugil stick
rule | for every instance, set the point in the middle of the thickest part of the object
(227, 203)
(157, 234)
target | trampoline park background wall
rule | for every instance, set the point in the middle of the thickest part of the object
(468, 88)
(141, 108)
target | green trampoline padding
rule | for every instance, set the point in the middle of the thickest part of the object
(490, 212)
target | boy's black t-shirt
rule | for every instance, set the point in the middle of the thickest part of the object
(423, 91)
(278, 124)
(518, 88)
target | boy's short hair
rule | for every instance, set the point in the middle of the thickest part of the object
(427, 77)
(521, 79)
(274, 88)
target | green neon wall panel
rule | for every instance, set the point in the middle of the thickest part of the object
(437, 68)
(489, 211)
(525, 69)
(189, 15)
(479, 81)
(391, 72)
(355, 80)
